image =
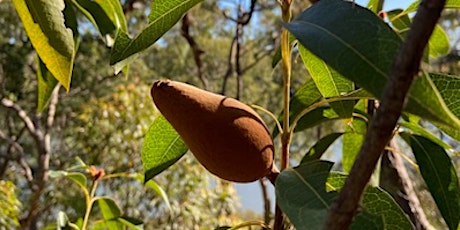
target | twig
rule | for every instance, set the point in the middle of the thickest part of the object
(21, 113)
(266, 198)
(197, 51)
(409, 196)
(406, 66)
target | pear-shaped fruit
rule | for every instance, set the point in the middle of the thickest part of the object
(226, 136)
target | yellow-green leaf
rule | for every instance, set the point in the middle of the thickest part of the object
(45, 25)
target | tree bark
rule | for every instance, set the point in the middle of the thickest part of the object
(381, 127)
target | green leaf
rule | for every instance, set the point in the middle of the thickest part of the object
(374, 6)
(419, 130)
(96, 15)
(449, 4)
(132, 223)
(301, 193)
(109, 208)
(316, 151)
(368, 60)
(449, 88)
(44, 23)
(438, 43)
(306, 96)
(164, 14)
(353, 139)
(162, 148)
(62, 221)
(376, 202)
(440, 176)
(46, 84)
(153, 185)
(77, 177)
(400, 22)
(328, 81)
(157, 188)
(106, 15)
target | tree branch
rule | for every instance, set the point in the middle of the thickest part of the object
(406, 66)
(21, 113)
(197, 51)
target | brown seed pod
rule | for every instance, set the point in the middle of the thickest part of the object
(226, 136)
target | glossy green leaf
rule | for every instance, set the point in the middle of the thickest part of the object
(368, 60)
(301, 194)
(440, 176)
(162, 148)
(44, 24)
(353, 139)
(376, 202)
(328, 81)
(317, 150)
(163, 15)
(46, 84)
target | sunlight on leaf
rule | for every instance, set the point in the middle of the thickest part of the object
(162, 148)
(353, 138)
(329, 82)
(366, 61)
(164, 15)
(46, 84)
(45, 26)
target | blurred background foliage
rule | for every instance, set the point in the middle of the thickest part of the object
(103, 118)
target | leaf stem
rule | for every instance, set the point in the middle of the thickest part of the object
(278, 125)
(89, 204)
(286, 133)
(319, 104)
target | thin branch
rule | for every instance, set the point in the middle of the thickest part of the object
(197, 51)
(381, 127)
(52, 107)
(21, 113)
(417, 214)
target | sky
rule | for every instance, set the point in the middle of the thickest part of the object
(251, 194)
